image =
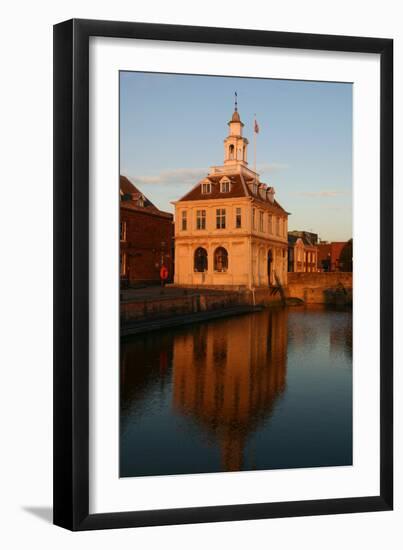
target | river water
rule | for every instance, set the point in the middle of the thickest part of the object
(266, 390)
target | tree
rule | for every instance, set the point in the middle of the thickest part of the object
(346, 257)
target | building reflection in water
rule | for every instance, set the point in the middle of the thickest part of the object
(145, 365)
(307, 327)
(341, 336)
(228, 375)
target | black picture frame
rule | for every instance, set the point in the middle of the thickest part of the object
(72, 285)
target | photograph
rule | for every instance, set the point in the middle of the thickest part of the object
(236, 274)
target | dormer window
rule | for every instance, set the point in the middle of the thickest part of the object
(138, 198)
(254, 188)
(270, 194)
(206, 188)
(225, 185)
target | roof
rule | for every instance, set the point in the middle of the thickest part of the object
(126, 186)
(236, 117)
(239, 188)
(292, 239)
(131, 205)
(307, 237)
(129, 199)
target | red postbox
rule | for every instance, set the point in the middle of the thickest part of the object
(163, 274)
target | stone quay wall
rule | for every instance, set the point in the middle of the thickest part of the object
(169, 305)
(321, 288)
(311, 288)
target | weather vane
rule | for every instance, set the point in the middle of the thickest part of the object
(236, 101)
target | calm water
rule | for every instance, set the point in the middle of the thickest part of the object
(267, 390)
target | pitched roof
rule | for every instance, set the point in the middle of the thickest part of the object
(131, 205)
(238, 188)
(130, 195)
(292, 239)
(127, 188)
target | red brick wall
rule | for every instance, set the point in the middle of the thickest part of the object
(145, 232)
(330, 251)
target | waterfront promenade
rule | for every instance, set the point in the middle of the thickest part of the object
(154, 307)
(151, 308)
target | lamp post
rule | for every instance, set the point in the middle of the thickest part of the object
(163, 269)
(163, 245)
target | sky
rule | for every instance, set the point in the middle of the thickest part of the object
(172, 129)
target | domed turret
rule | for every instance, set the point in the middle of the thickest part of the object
(235, 116)
(235, 145)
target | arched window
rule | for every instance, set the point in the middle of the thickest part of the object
(220, 259)
(200, 260)
(231, 152)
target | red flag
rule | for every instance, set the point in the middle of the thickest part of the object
(256, 127)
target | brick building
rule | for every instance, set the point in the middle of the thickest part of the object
(335, 256)
(146, 237)
(302, 252)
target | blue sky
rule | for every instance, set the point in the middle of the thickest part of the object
(172, 129)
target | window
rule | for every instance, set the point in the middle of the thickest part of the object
(238, 218)
(123, 264)
(270, 223)
(277, 225)
(140, 201)
(184, 220)
(254, 188)
(220, 259)
(206, 188)
(261, 221)
(220, 218)
(231, 152)
(200, 260)
(253, 218)
(200, 219)
(225, 186)
(123, 231)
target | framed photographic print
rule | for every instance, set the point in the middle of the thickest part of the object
(223, 256)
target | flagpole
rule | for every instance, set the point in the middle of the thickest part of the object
(254, 145)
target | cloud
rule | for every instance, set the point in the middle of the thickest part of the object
(271, 168)
(179, 175)
(323, 193)
(190, 176)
